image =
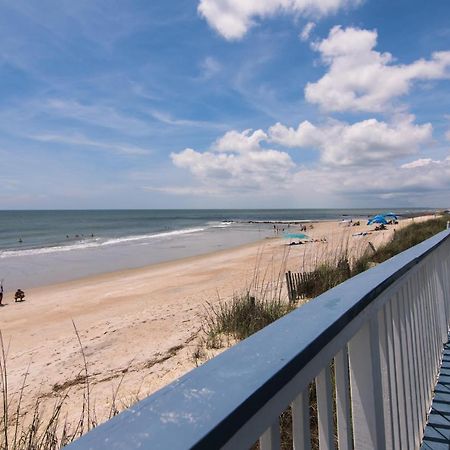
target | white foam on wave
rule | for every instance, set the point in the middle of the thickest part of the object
(293, 221)
(223, 224)
(152, 236)
(53, 249)
(96, 243)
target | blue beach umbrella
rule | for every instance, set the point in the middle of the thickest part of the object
(377, 219)
(390, 215)
(295, 236)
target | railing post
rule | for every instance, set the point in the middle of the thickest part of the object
(383, 333)
(438, 266)
(406, 363)
(325, 409)
(366, 389)
(393, 385)
(301, 433)
(343, 400)
(414, 363)
(270, 440)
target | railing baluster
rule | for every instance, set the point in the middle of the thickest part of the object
(395, 420)
(431, 331)
(435, 337)
(445, 268)
(414, 363)
(420, 351)
(440, 297)
(411, 339)
(399, 373)
(325, 409)
(406, 369)
(342, 376)
(300, 422)
(270, 440)
(426, 324)
(385, 376)
(365, 379)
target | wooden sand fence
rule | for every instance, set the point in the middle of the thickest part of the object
(297, 283)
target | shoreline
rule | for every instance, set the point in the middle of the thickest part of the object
(131, 271)
(31, 264)
(43, 269)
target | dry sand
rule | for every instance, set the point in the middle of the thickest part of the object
(145, 322)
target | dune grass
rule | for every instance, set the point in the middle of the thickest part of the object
(244, 315)
(332, 272)
(45, 426)
(258, 305)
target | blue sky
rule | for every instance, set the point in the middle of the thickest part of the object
(224, 103)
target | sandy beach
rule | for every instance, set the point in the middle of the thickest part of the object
(139, 327)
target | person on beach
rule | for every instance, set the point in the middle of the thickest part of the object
(19, 296)
(1, 294)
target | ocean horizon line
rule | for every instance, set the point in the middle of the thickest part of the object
(426, 208)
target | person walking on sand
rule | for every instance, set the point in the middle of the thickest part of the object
(1, 294)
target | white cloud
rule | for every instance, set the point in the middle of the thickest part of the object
(304, 136)
(361, 143)
(362, 79)
(169, 120)
(94, 114)
(357, 161)
(209, 67)
(233, 18)
(246, 141)
(185, 190)
(386, 181)
(236, 161)
(419, 163)
(306, 32)
(83, 141)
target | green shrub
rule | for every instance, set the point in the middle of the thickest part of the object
(411, 235)
(324, 277)
(331, 273)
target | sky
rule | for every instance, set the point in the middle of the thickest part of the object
(224, 104)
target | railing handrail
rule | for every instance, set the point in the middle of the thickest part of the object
(206, 407)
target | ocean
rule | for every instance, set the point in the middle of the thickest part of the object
(42, 247)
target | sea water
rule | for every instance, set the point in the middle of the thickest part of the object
(42, 247)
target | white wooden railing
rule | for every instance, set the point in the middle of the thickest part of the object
(372, 345)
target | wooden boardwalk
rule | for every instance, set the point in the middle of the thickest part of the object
(437, 432)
